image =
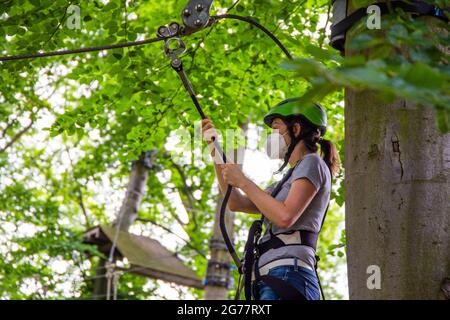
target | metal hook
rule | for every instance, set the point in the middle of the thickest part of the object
(181, 47)
(172, 30)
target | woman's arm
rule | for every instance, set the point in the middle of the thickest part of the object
(238, 201)
(283, 214)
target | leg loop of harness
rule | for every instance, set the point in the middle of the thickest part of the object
(317, 276)
(252, 276)
(250, 257)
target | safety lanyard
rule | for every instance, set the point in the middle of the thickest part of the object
(275, 192)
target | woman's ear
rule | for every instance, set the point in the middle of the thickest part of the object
(297, 129)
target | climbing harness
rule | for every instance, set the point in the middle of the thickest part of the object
(287, 110)
(253, 274)
(343, 22)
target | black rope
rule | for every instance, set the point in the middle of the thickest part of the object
(80, 50)
(142, 42)
(259, 26)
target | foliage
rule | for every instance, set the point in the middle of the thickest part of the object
(91, 114)
(407, 58)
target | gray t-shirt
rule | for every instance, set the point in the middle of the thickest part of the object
(315, 170)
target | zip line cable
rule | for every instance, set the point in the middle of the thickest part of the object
(259, 26)
(80, 50)
(143, 42)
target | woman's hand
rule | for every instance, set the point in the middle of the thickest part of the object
(233, 175)
(208, 131)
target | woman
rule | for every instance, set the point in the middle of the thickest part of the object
(295, 211)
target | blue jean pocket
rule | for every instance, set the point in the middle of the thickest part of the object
(303, 282)
(298, 282)
(300, 279)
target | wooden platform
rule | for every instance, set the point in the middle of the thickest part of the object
(146, 256)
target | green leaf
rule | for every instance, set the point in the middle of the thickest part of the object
(110, 6)
(422, 75)
(443, 120)
(36, 3)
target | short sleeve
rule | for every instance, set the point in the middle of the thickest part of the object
(270, 188)
(310, 168)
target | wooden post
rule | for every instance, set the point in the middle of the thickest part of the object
(127, 213)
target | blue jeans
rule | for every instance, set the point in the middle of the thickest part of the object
(303, 279)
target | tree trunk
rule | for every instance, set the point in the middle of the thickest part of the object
(218, 275)
(397, 169)
(128, 212)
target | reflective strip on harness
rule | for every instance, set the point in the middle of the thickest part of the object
(298, 237)
(283, 262)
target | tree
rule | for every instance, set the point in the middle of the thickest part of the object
(397, 115)
(218, 275)
(397, 199)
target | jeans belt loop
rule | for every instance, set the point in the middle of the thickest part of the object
(295, 264)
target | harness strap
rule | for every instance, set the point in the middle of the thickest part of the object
(307, 238)
(253, 251)
(249, 256)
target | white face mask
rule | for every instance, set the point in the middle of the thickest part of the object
(276, 147)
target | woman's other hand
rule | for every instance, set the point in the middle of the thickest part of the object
(233, 175)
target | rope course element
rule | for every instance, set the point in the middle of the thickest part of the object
(77, 51)
(259, 26)
(182, 32)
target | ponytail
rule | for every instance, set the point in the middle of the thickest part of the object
(330, 155)
(311, 136)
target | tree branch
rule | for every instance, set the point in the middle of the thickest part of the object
(171, 232)
(11, 123)
(186, 191)
(17, 136)
(59, 25)
(80, 193)
(83, 208)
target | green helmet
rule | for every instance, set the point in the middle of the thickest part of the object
(314, 113)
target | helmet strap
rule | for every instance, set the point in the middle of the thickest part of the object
(294, 141)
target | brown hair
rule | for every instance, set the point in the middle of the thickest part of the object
(313, 135)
